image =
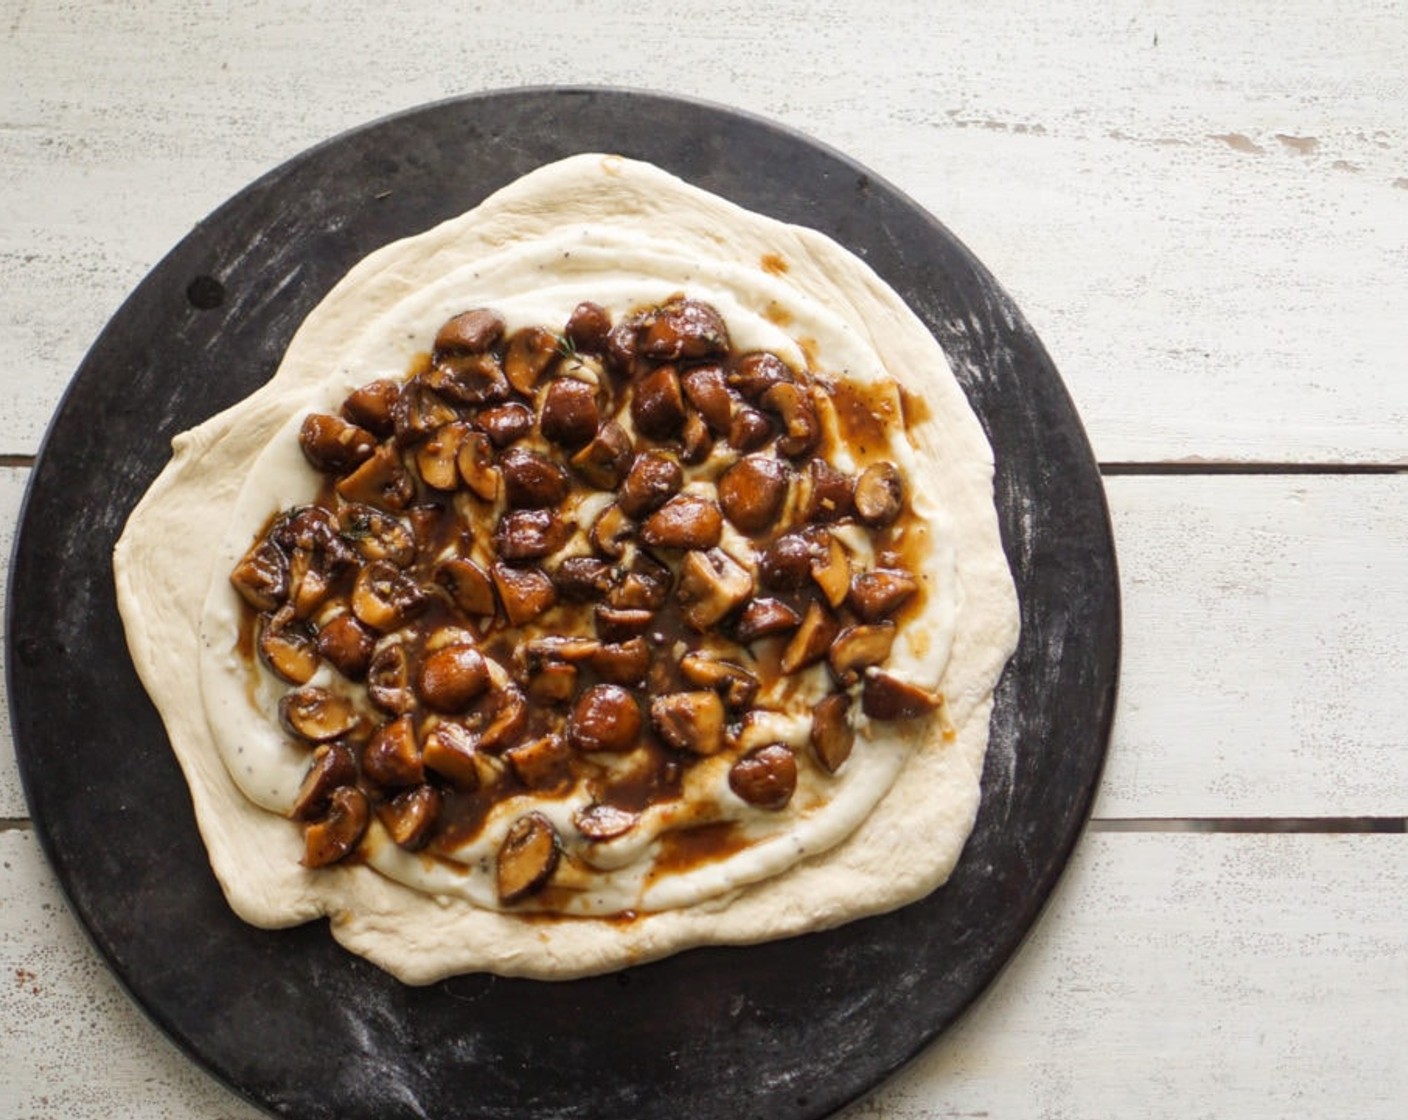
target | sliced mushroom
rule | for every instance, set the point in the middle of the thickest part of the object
(389, 679)
(645, 587)
(507, 719)
(419, 411)
(684, 328)
(765, 618)
(749, 430)
(557, 647)
(334, 836)
(504, 423)
(525, 592)
(604, 822)
(310, 581)
(765, 777)
(711, 585)
(878, 594)
(657, 404)
(437, 457)
(856, 648)
(580, 579)
(346, 645)
(332, 766)
(475, 462)
(552, 682)
(470, 332)
(529, 534)
(376, 535)
(604, 461)
(451, 677)
(624, 663)
(316, 714)
(467, 584)
(380, 481)
(384, 597)
(734, 683)
(620, 624)
(287, 647)
(751, 492)
(588, 327)
(786, 564)
(451, 751)
(392, 755)
(831, 570)
(832, 736)
(261, 576)
(333, 445)
(879, 494)
(373, 406)
(532, 481)
(610, 532)
(473, 379)
(812, 639)
(757, 371)
(792, 403)
(527, 857)
(541, 763)
(689, 721)
(570, 415)
(410, 816)
(695, 441)
(686, 521)
(654, 478)
(885, 697)
(605, 718)
(828, 494)
(529, 353)
(706, 388)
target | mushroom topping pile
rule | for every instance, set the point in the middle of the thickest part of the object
(543, 551)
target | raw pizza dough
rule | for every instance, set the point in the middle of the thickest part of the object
(584, 228)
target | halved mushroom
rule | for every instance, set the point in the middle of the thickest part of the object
(711, 585)
(529, 534)
(604, 822)
(695, 441)
(373, 406)
(812, 639)
(765, 777)
(451, 751)
(467, 585)
(645, 587)
(792, 403)
(389, 679)
(751, 492)
(261, 576)
(345, 644)
(757, 371)
(419, 411)
(287, 647)
(832, 736)
(857, 648)
(733, 682)
(332, 766)
(505, 719)
(832, 571)
(620, 624)
(541, 763)
(684, 328)
(587, 328)
(475, 462)
(334, 836)
(786, 564)
(470, 332)
(749, 430)
(624, 663)
(532, 481)
(450, 677)
(316, 714)
(527, 857)
(530, 352)
(689, 721)
(552, 682)
(570, 415)
(504, 423)
(525, 592)
(706, 388)
(384, 597)
(410, 816)
(558, 647)
(653, 479)
(580, 579)
(828, 494)
(657, 404)
(333, 445)
(610, 532)
(885, 697)
(380, 481)
(621, 346)
(686, 521)
(765, 618)
(376, 535)
(604, 461)
(879, 494)
(605, 718)
(472, 379)
(437, 456)
(392, 755)
(310, 579)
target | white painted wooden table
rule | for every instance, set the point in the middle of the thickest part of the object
(1203, 210)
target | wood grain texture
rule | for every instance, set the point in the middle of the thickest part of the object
(1172, 976)
(1201, 210)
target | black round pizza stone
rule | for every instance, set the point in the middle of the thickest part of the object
(794, 1028)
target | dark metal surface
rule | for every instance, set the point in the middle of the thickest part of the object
(791, 1029)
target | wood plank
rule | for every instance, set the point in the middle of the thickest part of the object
(1173, 975)
(1208, 235)
(1266, 636)
(12, 484)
